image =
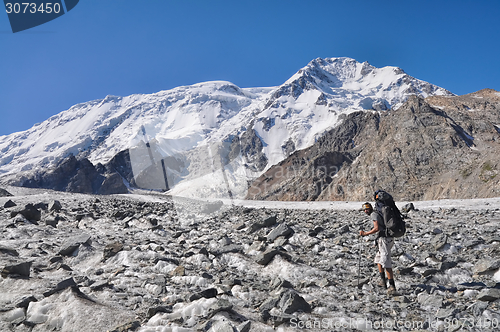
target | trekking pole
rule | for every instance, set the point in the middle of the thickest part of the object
(359, 258)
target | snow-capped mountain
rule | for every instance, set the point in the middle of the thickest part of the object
(199, 126)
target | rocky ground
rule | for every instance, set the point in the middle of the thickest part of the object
(75, 262)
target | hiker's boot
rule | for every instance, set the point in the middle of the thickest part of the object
(382, 282)
(392, 288)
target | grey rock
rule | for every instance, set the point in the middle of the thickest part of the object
(30, 212)
(359, 282)
(439, 241)
(446, 265)
(9, 204)
(244, 327)
(489, 294)
(265, 257)
(437, 231)
(51, 221)
(268, 304)
(67, 283)
(280, 283)
(72, 244)
(344, 229)
(270, 221)
(5, 193)
(485, 265)
(131, 326)
(280, 230)
(220, 305)
(112, 249)
(443, 313)
(97, 286)
(207, 293)
(20, 269)
(290, 302)
(222, 326)
(405, 270)
(239, 226)
(234, 248)
(435, 301)
(8, 251)
(162, 309)
(25, 301)
(429, 272)
(407, 208)
(478, 307)
(55, 205)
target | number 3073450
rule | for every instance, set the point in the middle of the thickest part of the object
(26, 7)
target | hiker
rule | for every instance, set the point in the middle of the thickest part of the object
(383, 257)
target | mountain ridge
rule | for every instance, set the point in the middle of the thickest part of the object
(265, 125)
(433, 148)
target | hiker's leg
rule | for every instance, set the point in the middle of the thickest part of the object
(382, 282)
(388, 267)
(390, 274)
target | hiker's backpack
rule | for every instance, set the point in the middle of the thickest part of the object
(393, 220)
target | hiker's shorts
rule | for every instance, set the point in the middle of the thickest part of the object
(383, 256)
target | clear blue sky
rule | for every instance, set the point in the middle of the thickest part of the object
(122, 47)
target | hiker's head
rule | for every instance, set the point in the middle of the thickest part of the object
(368, 208)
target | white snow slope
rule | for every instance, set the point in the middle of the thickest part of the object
(177, 120)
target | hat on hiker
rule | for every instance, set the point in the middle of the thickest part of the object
(367, 206)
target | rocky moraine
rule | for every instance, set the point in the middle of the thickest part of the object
(76, 262)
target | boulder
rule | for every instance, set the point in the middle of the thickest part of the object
(290, 302)
(21, 269)
(234, 248)
(429, 300)
(486, 265)
(112, 249)
(489, 294)
(9, 204)
(30, 212)
(8, 250)
(70, 282)
(438, 241)
(74, 243)
(5, 193)
(207, 294)
(407, 208)
(265, 257)
(280, 230)
(55, 205)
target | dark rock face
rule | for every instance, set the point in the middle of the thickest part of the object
(307, 173)
(252, 150)
(440, 147)
(112, 184)
(80, 176)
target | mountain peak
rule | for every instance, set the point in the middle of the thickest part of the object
(271, 123)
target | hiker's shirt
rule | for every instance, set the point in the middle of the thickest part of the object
(375, 216)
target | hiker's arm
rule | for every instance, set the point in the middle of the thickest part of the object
(372, 231)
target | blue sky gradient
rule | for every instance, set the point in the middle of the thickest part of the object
(123, 47)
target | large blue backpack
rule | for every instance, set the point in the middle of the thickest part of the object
(395, 225)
